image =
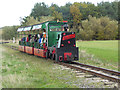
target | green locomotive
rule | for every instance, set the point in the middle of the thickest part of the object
(49, 39)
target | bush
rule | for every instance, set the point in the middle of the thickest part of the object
(98, 29)
(8, 32)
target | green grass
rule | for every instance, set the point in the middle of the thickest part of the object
(20, 70)
(30, 71)
(13, 44)
(105, 52)
(0, 34)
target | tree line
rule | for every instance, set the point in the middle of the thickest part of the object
(89, 21)
(8, 32)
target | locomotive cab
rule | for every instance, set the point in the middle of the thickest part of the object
(62, 43)
(66, 49)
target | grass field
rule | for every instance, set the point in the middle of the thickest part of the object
(0, 34)
(99, 53)
(28, 71)
(20, 70)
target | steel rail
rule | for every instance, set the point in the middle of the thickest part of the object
(11, 46)
(98, 68)
(14, 47)
(114, 79)
(3, 42)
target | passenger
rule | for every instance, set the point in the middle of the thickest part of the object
(21, 39)
(39, 41)
(44, 40)
(29, 37)
(35, 38)
(44, 36)
(62, 28)
(44, 33)
(32, 39)
(38, 35)
(41, 44)
(24, 38)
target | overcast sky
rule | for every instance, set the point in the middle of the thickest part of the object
(12, 10)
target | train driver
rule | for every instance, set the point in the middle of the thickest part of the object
(66, 27)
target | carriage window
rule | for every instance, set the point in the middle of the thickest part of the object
(56, 28)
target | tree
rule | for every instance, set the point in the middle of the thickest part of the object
(99, 29)
(8, 32)
(40, 9)
(57, 15)
(87, 31)
(110, 28)
(77, 16)
(56, 8)
(26, 21)
(65, 10)
(109, 9)
(46, 18)
(31, 21)
(115, 9)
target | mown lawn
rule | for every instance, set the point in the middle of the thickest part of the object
(104, 52)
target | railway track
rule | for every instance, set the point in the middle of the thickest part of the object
(96, 71)
(14, 47)
(3, 42)
(98, 68)
(10, 46)
(105, 74)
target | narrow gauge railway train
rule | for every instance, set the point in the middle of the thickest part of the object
(49, 39)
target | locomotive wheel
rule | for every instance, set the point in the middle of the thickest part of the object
(50, 55)
(53, 56)
(47, 55)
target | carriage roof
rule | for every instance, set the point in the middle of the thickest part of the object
(38, 26)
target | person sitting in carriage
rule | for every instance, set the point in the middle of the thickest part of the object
(23, 39)
(32, 39)
(28, 38)
(40, 39)
(35, 38)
